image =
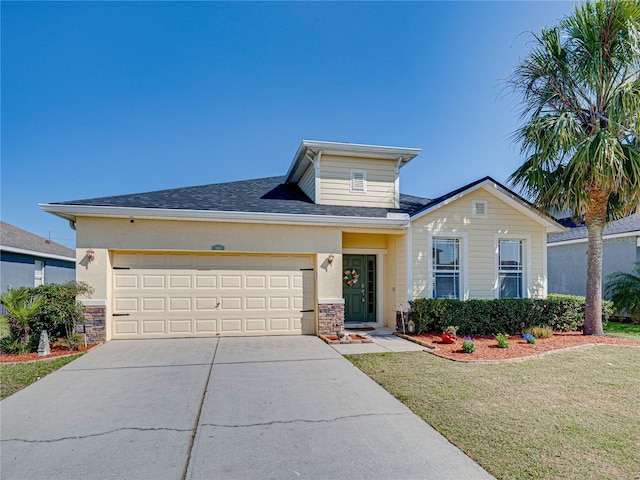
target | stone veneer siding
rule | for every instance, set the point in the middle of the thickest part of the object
(330, 318)
(95, 326)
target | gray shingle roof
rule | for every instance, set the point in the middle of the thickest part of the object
(263, 195)
(630, 224)
(11, 236)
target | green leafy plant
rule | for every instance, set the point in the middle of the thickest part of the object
(21, 307)
(62, 311)
(502, 339)
(624, 290)
(539, 331)
(468, 345)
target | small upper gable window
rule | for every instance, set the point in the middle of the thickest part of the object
(479, 209)
(358, 181)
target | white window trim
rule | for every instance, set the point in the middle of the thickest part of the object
(463, 237)
(474, 213)
(353, 173)
(527, 278)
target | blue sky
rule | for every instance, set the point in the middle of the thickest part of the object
(120, 97)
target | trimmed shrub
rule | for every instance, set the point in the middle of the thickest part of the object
(509, 315)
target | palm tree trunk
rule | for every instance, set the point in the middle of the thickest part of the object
(595, 220)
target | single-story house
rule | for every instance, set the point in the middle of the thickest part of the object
(28, 260)
(332, 242)
(568, 254)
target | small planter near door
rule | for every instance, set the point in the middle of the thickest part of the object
(448, 337)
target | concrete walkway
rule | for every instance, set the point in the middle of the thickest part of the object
(245, 408)
(383, 341)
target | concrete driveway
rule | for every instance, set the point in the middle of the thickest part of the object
(262, 407)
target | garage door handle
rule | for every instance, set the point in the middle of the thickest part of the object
(120, 314)
(304, 311)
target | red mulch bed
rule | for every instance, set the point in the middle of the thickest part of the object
(55, 352)
(487, 347)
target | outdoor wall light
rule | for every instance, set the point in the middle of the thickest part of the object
(330, 259)
(91, 255)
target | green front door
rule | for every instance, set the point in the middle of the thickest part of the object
(359, 288)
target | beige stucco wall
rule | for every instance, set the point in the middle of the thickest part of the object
(108, 235)
(479, 234)
(335, 178)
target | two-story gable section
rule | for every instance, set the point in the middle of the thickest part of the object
(347, 174)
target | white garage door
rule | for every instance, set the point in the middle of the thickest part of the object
(189, 295)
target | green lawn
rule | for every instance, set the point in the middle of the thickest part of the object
(570, 415)
(16, 377)
(623, 330)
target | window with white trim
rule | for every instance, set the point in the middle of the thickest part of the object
(446, 267)
(358, 181)
(510, 269)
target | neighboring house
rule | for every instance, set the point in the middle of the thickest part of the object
(568, 254)
(332, 241)
(27, 260)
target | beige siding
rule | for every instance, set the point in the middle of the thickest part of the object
(308, 182)
(335, 177)
(479, 234)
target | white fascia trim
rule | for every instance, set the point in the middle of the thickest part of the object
(71, 211)
(33, 253)
(492, 188)
(635, 233)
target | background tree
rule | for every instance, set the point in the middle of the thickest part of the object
(580, 85)
(623, 289)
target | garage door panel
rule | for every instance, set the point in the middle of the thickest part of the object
(153, 326)
(180, 304)
(125, 280)
(203, 295)
(256, 281)
(206, 281)
(180, 326)
(151, 304)
(279, 324)
(256, 324)
(206, 325)
(179, 281)
(279, 281)
(123, 305)
(125, 327)
(206, 303)
(153, 281)
(255, 303)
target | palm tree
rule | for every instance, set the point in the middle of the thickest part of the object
(21, 308)
(624, 290)
(580, 86)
